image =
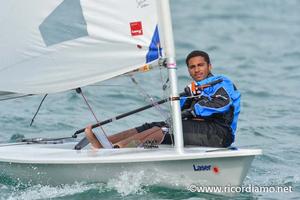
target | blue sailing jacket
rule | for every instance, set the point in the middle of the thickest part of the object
(219, 102)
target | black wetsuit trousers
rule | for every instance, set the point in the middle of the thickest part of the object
(199, 133)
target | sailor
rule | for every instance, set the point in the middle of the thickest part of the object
(209, 112)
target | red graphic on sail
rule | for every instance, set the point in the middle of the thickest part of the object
(136, 28)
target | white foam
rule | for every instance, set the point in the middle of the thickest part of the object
(133, 182)
(3, 187)
(47, 192)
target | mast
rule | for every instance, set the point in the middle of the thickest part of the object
(167, 35)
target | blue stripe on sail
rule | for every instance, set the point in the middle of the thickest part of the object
(65, 23)
(154, 51)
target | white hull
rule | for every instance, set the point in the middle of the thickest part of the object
(54, 164)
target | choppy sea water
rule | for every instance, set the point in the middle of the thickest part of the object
(255, 43)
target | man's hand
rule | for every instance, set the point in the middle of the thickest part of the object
(187, 91)
(187, 113)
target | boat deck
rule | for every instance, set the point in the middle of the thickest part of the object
(64, 153)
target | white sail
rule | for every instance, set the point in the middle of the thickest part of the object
(55, 45)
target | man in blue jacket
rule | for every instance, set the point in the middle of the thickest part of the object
(210, 109)
(209, 114)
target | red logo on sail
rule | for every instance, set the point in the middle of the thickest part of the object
(136, 28)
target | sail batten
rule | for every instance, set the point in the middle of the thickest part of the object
(64, 44)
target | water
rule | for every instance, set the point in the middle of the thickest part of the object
(255, 43)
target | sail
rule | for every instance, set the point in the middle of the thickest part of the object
(55, 45)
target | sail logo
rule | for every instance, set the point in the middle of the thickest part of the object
(214, 169)
(136, 28)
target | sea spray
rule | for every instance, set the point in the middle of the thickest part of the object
(48, 192)
(133, 182)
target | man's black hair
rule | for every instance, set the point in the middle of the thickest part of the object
(197, 53)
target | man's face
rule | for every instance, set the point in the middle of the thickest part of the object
(198, 68)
